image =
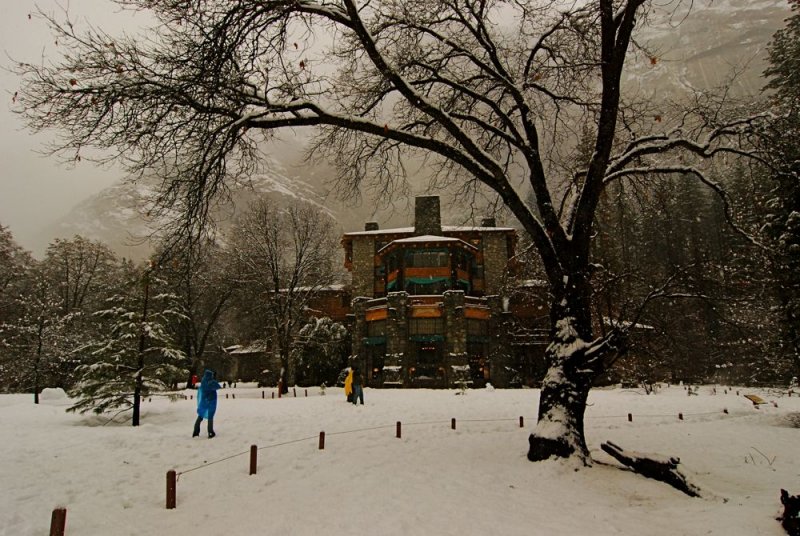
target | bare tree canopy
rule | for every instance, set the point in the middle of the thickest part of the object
(490, 91)
(282, 257)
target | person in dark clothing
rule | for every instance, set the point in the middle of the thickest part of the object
(206, 403)
(358, 390)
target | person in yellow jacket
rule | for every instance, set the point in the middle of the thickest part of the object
(348, 386)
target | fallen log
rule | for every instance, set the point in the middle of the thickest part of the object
(663, 469)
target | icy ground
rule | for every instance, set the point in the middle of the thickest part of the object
(432, 481)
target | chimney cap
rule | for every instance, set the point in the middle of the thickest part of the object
(427, 217)
(488, 221)
(371, 226)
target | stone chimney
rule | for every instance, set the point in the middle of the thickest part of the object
(488, 222)
(371, 226)
(427, 219)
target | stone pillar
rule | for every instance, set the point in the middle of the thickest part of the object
(359, 332)
(500, 351)
(395, 370)
(456, 362)
(364, 266)
(495, 261)
(427, 217)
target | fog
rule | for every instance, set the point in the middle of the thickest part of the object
(35, 189)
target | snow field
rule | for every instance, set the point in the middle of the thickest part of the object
(434, 480)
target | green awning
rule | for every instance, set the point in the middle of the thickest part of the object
(374, 341)
(426, 338)
(426, 280)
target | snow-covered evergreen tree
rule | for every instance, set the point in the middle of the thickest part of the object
(136, 358)
(320, 351)
(783, 143)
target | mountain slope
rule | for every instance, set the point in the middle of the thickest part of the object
(699, 49)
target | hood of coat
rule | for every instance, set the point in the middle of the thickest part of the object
(208, 376)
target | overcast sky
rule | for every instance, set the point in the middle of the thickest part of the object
(36, 190)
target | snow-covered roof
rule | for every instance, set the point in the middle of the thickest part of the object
(252, 348)
(445, 229)
(427, 239)
(336, 287)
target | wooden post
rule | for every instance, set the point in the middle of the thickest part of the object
(521, 422)
(680, 416)
(253, 459)
(453, 423)
(226, 395)
(262, 394)
(398, 434)
(322, 441)
(273, 395)
(58, 521)
(294, 391)
(233, 395)
(630, 417)
(306, 392)
(171, 489)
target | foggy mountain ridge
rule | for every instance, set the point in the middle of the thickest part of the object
(698, 52)
(117, 215)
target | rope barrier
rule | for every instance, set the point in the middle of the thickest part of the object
(421, 423)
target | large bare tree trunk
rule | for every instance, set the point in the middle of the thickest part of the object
(559, 430)
(574, 362)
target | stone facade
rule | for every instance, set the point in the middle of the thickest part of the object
(406, 336)
(427, 216)
(495, 261)
(364, 266)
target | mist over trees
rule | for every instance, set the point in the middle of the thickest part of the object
(282, 257)
(490, 93)
(112, 332)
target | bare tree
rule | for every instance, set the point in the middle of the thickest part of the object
(488, 91)
(81, 271)
(203, 291)
(283, 256)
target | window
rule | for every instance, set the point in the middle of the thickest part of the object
(426, 326)
(477, 326)
(462, 260)
(420, 258)
(436, 286)
(376, 328)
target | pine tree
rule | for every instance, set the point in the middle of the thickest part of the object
(320, 351)
(136, 358)
(783, 145)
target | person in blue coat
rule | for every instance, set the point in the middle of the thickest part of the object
(206, 403)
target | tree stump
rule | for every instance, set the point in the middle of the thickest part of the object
(790, 519)
(653, 466)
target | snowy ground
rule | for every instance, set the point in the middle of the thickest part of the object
(432, 481)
